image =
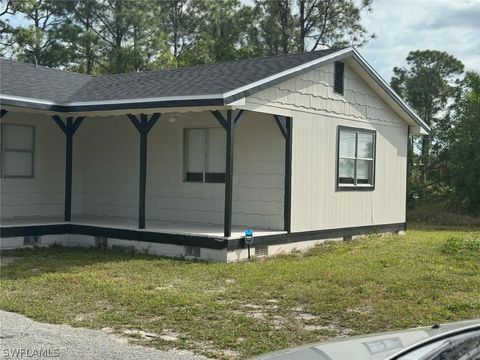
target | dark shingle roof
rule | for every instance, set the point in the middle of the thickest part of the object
(26, 80)
(27, 86)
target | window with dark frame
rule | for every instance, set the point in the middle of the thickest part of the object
(338, 77)
(356, 158)
(17, 151)
(204, 155)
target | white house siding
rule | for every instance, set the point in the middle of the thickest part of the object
(109, 167)
(110, 148)
(44, 194)
(317, 111)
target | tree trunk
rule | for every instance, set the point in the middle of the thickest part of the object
(285, 14)
(88, 50)
(301, 40)
(425, 158)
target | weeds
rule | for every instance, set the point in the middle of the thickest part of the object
(372, 284)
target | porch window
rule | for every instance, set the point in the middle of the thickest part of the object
(17, 151)
(356, 158)
(204, 155)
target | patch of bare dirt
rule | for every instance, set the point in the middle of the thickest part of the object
(139, 336)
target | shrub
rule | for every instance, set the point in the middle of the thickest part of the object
(438, 215)
(462, 246)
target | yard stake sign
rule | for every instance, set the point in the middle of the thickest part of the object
(249, 240)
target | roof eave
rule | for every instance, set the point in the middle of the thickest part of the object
(285, 75)
(106, 106)
(388, 89)
(224, 99)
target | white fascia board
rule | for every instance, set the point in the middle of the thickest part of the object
(146, 100)
(417, 130)
(110, 102)
(27, 99)
(238, 102)
(287, 72)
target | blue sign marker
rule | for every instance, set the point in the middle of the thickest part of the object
(249, 239)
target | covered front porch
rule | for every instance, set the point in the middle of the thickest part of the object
(158, 226)
(137, 173)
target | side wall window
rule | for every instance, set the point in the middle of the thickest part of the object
(204, 155)
(17, 151)
(356, 158)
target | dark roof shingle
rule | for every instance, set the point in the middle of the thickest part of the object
(26, 80)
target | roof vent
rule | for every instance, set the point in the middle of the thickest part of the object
(261, 250)
(101, 242)
(338, 77)
(31, 240)
(192, 252)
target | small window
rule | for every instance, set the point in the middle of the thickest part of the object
(204, 155)
(18, 151)
(356, 158)
(338, 77)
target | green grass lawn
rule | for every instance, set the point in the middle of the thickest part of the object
(245, 309)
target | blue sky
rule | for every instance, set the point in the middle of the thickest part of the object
(404, 25)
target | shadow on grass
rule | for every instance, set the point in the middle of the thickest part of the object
(421, 226)
(31, 262)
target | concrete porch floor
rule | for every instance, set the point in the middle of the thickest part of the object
(167, 227)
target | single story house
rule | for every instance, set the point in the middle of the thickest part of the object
(300, 148)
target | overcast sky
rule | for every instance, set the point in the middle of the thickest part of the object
(404, 25)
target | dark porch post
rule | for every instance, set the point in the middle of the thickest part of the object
(69, 128)
(144, 125)
(285, 126)
(229, 125)
(288, 176)
(3, 112)
(227, 222)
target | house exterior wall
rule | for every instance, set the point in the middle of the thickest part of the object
(317, 112)
(110, 166)
(42, 195)
(106, 166)
(106, 163)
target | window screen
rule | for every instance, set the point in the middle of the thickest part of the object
(356, 158)
(338, 77)
(18, 149)
(205, 151)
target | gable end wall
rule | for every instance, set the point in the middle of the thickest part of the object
(317, 112)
